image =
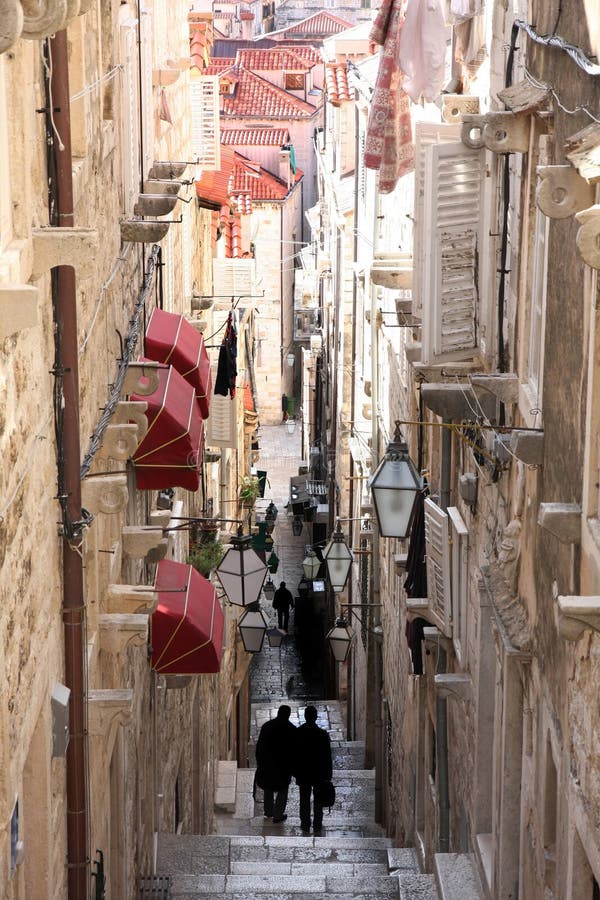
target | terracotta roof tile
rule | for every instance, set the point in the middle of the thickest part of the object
(246, 15)
(257, 98)
(336, 80)
(255, 137)
(272, 60)
(214, 187)
(250, 178)
(218, 65)
(306, 52)
(319, 24)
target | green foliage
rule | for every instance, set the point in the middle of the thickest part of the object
(249, 490)
(206, 556)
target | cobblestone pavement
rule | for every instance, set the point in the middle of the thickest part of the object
(282, 673)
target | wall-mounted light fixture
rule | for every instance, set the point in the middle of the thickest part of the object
(241, 571)
(338, 559)
(253, 626)
(394, 487)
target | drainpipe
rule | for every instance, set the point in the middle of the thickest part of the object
(441, 704)
(73, 606)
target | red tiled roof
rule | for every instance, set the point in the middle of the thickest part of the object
(306, 52)
(271, 60)
(221, 14)
(257, 98)
(256, 137)
(246, 15)
(336, 80)
(219, 65)
(215, 187)
(319, 24)
(251, 179)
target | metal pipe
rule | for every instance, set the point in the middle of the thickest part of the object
(446, 467)
(73, 607)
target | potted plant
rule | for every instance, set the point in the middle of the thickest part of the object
(249, 490)
(206, 556)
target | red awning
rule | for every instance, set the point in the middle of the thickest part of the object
(170, 454)
(187, 625)
(170, 339)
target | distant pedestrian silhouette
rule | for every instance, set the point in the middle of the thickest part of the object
(274, 762)
(282, 600)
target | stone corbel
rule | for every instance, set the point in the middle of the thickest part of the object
(77, 247)
(500, 132)
(121, 630)
(457, 685)
(132, 411)
(432, 635)
(392, 270)
(576, 614)
(562, 192)
(588, 236)
(127, 599)
(416, 607)
(142, 541)
(161, 186)
(504, 386)
(138, 231)
(400, 560)
(563, 520)
(119, 442)
(456, 402)
(11, 16)
(41, 19)
(455, 106)
(18, 305)
(105, 493)
(107, 709)
(528, 446)
(155, 204)
(165, 76)
(164, 170)
(141, 378)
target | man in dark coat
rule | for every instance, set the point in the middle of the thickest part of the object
(313, 766)
(274, 762)
(282, 600)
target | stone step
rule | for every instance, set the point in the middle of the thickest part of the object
(403, 859)
(226, 784)
(278, 886)
(417, 887)
(457, 876)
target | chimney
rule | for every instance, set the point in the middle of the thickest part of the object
(285, 171)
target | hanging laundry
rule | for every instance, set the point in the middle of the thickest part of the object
(423, 49)
(470, 44)
(389, 145)
(227, 364)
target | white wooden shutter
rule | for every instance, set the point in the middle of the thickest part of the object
(453, 249)
(234, 277)
(204, 115)
(221, 425)
(426, 135)
(5, 193)
(186, 251)
(129, 117)
(437, 556)
(460, 582)
(147, 98)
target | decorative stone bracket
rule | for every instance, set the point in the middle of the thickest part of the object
(163, 170)
(144, 542)
(105, 493)
(18, 308)
(561, 191)
(457, 685)
(456, 106)
(107, 709)
(588, 236)
(139, 231)
(456, 402)
(528, 446)
(433, 635)
(77, 247)
(576, 614)
(165, 75)
(130, 598)
(141, 378)
(500, 132)
(119, 442)
(392, 270)
(121, 630)
(132, 411)
(155, 204)
(400, 560)
(504, 386)
(34, 20)
(563, 520)
(415, 607)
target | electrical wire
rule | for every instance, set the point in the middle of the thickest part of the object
(91, 87)
(554, 40)
(571, 112)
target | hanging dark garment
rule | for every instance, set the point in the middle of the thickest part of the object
(227, 365)
(414, 637)
(415, 583)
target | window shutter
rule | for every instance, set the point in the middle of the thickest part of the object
(204, 113)
(147, 89)
(426, 135)
(454, 252)
(129, 112)
(437, 554)
(460, 583)
(5, 193)
(221, 425)
(186, 251)
(234, 277)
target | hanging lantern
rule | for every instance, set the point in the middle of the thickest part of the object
(273, 562)
(291, 426)
(311, 565)
(270, 517)
(338, 559)
(297, 526)
(269, 588)
(275, 637)
(291, 359)
(394, 487)
(241, 571)
(340, 639)
(253, 626)
(303, 588)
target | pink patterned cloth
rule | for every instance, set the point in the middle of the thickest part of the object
(389, 145)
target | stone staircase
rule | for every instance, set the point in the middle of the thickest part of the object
(250, 857)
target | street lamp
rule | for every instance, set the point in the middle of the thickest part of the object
(338, 559)
(253, 626)
(241, 571)
(275, 637)
(311, 565)
(340, 639)
(394, 486)
(291, 426)
(270, 517)
(269, 588)
(297, 526)
(291, 359)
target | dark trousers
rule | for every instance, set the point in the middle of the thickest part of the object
(283, 617)
(275, 802)
(305, 792)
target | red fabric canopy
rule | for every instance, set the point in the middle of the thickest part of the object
(172, 340)
(170, 454)
(187, 625)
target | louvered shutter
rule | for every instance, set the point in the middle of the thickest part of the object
(148, 112)
(454, 252)
(234, 277)
(129, 112)
(437, 555)
(459, 535)
(221, 425)
(204, 115)
(5, 193)
(186, 251)
(426, 135)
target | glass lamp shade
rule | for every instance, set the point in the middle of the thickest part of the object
(311, 565)
(297, 526)
(270, 516)
(275, 637)
(303, 587)
(340, 640)
(253, 626)
(338, 559)
(394, 487)
(268, 588)
(290, 359)
(291, 426)
(241, 572)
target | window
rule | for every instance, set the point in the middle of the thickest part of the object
(459, 582)
(147, 97)
(204, 112)
(437, 557)
(5, 208)
(535, 356)
(234, 276)
(294, 81)
(129, 116)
